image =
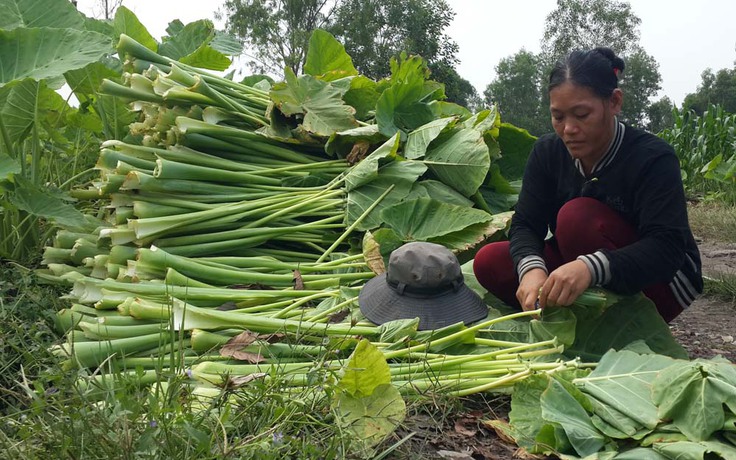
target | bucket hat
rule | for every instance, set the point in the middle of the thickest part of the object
(423, 281)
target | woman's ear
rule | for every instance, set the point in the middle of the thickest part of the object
(617, 101)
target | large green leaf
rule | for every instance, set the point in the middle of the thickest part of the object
(516, 144)
(460, 160)
(86, 81)
(362, 96)
(365, 370)
(370, 419)
(628, 320)
(42, 203)
(367, 405)
(45, 53)
(399, 174)
(475, 235)
(693, 394)
(8, 167)
(401, 107)
(200, 45)
(438, 191)
(425, 218)
(319, 101)
(420, 138)
(39, 13)
(559, 406)
(206, 57)
(704, 450)
(27, 103)
(623, 380)
(326, 57)
(126, 22)
(188, 39)
(367, 169)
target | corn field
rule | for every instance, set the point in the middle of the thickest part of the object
(706, 148)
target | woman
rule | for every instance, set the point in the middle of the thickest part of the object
(611, 196)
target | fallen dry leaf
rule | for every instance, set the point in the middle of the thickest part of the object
(298, 281)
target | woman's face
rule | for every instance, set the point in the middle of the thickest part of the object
(584, 120)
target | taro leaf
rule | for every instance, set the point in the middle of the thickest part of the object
(367, 170)
(26, 107)
(632, 318)
(206, 57)
(188, 39)
(516, 144)
(319, 101)
(692, 395)
(437, 190)
(46, 53)
(42, 203)
(226, 44)
(697, 450)
(470, 237)
(623, 381)
(471, 280)
(559, 406)
(363, 96)
(529, 429)
(443, 109)
(8, 167)
(326, 57)
(126, 22)
(370, 419)
(194, 45)
(398, 329)
(419, 139)
(400, 174)
(39, 13)
(425, 218)
(174, 27)
(555, 322)
(487, 122)
(639, 453)
(401, 106)
(730, 423)
(461, 160)
(86, 81)
(366, 370)
(341, 143)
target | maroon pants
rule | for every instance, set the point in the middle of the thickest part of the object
(584, 225)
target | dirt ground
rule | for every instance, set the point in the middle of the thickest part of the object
(706, 329)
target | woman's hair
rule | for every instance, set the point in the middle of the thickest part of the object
(597, 69)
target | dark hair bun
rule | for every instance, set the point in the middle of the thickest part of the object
(616, 62)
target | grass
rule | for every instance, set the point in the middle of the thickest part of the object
(715, 222)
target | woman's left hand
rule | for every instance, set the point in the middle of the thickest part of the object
(565, 284)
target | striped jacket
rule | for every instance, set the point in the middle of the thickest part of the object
(639, 177)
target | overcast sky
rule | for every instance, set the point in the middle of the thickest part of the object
(684, 36)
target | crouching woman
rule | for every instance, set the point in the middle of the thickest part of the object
(602, 204)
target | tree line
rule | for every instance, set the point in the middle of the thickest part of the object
(276, 34)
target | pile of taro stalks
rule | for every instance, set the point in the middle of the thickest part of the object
(219, 258)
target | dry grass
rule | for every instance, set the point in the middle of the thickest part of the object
(713, 221)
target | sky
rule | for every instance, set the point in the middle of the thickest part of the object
(684, 36)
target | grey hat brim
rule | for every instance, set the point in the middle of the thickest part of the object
(380, 304)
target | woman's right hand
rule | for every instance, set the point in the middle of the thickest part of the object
(529, 286)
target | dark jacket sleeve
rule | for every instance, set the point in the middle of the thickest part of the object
(531, 217)
(661, 210)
